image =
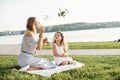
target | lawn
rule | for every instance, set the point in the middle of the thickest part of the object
(89, 45)
(96, 68)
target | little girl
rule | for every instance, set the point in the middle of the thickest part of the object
(60, 50)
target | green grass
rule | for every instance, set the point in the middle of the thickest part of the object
(96, 68)
(89, 45)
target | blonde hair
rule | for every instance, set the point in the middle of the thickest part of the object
(62, 42)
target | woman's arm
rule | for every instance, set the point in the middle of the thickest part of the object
(28, 34)
(40, 40)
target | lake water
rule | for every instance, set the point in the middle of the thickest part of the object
(93, 35)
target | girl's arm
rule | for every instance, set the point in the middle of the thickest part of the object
(65, 47)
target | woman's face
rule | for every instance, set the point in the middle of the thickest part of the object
(37, 24)
(58, 36)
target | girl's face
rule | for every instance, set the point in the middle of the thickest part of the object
(58, 36)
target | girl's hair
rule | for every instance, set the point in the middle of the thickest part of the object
(62, 40)
(30, 23)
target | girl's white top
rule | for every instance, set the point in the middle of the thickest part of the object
(59, 60)
(59, 49)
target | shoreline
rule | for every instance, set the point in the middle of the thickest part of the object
(15, 50)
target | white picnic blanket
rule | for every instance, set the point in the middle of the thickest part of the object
(58, 69)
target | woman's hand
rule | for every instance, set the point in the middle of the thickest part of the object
(45, 40)
(42, 30)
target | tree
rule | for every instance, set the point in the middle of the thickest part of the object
(62, 13)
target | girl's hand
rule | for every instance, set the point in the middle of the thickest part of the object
(64, 55)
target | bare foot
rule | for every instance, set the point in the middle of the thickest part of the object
(64, 63)
(70, 62)
(34, 68)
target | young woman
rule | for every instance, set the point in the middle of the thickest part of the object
(30, 44)
(60, 49)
